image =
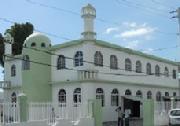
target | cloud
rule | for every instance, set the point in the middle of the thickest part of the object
(133, 44)
(130, 24)
(149, 50)
(111, 29)
(136, 32)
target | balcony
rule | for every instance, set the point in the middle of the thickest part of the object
(5, 84)
(87, 74)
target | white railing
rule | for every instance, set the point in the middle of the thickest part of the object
(52, 112)
(9, 113)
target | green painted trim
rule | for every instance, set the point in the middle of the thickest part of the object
(22, 100)
(35, 81)
(148, 113)
(114, 82)
(113, 46)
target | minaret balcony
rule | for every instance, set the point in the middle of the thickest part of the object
(5, 84)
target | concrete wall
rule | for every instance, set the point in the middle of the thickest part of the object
(88, 91)
(89, 50)
(63, 122)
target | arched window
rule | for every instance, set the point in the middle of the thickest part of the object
(114, 97)
(43, 45)
(78, 58)
(33, 44)
(62, 96)
(166, 72)
(26, 62)
(128, 65)
(158, 96)
(13, 97)
(174, 74)
(148, 69)
(113, 62)
(128, 92)
(138, 67)
(13, 70)
(77, 95)
(149, 95)
(61, 63)
(139, 94)
(100, 95)
(174, 93)
(98, 59)
(167, 94)
(157, 71)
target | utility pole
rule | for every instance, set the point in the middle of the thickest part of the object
(178, 17)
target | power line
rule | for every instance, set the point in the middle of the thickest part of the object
(139, 6)
(89, 62)
(37, 30)
(66, 68)
(78, 14)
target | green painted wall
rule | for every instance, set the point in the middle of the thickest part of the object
(148, 113)
(97, 112)
(35, 82)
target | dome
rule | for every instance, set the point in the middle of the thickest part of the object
(37, 40)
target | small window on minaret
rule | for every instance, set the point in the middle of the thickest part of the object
(33, 44)
(13, 70)
(43, 45)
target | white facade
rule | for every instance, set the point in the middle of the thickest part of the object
(89, 77)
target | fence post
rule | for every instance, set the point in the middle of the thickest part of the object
(96, 111)
(148, 112)
(23, 107)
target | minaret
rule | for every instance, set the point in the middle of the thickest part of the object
(88, 14)
(8, 44)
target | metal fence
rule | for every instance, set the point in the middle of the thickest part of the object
(9, 113)
(52, 112)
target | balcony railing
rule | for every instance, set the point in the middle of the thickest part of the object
(87, 74)
(5, 84)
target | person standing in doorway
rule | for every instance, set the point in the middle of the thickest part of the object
(120, 116)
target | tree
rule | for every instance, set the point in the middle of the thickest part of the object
(19, 32)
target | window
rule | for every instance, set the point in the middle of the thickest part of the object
(138, 67)
(78, 58)
(98, 59)
(167, 94)
(149, 95)
(62, 96)
(157, 71)
(174, 74)
(139, 94)
(26, 62)
(166, 72)
(158, 96)
(77, 95)
(61, 63)
(128, 92)
(113, 62)
(13, 97)
(43, 45)
(100, 95)
(128, 65)
(148, 69)
(114, 97)
(174, 93)
(13, 70)
(33, 44)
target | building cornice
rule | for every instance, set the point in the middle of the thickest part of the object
(149, 85)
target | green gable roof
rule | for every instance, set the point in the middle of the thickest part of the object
(113, 46)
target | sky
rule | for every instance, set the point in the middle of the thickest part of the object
(144, 25)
